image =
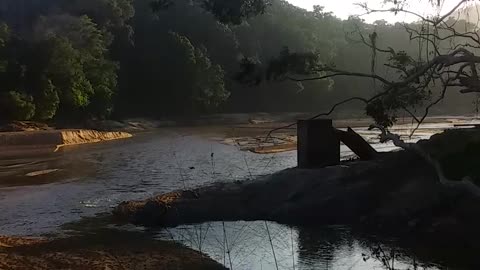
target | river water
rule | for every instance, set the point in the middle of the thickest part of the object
(91, 179)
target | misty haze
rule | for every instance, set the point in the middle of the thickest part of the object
(239, 134)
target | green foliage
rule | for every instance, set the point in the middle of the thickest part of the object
(80, 32)
(47, 101)
(202, 87)
(4, 37)
(209, 89)
(235, 11)
(103, 77)
(16, 106)
(63, 68)
(77, 66)
(109, 14)
(66, 72)
(4, 34)
(77, 59)
(226, 11)
(293, 63)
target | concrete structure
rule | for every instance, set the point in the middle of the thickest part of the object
(317, 144)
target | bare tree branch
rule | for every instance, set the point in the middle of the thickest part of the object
(332, 109)
(340, 73)
(442, 18)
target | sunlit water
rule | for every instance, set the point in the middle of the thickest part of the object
(95, 178)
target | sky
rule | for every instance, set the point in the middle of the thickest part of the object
(345, 8)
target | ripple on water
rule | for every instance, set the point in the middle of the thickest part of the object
(101, 176)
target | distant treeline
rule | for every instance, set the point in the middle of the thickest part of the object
(79, 59)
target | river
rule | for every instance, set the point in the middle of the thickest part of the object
(89, 180)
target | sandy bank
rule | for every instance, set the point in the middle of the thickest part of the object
(58, 137)
(108, 249)
(41, 142)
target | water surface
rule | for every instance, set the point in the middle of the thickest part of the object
(94, 178)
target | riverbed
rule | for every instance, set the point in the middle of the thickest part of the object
(82, 182)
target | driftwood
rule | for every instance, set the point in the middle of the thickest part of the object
(357, 144)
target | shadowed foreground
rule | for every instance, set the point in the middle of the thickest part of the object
(108, 249)
(399, 192)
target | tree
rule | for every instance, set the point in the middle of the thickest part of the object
(46, 101)
(61, 68)
(4, 37)
(416, 76)
(446, 60)
(171, 75)
(206, 89)
(76, 64)
(16, 106)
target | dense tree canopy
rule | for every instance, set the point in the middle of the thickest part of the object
(74, 60)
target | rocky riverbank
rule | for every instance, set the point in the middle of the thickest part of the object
(108, 249)
(399, 192)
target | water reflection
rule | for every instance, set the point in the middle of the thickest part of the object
(247, 245)
(94, 178)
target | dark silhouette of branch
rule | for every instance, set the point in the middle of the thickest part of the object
(442, 18)
(364, 41)
(455, 67)
(434, 22)
(337, 73)
(332, 109)
(427, 109)
(411, 114)
(392, 10)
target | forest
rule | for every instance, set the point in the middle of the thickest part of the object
(63, 60)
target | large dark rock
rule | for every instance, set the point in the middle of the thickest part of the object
(458, 151)
(398, 191)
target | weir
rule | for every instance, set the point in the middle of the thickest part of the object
(318, 144)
